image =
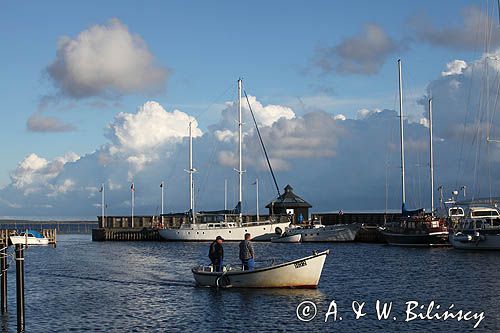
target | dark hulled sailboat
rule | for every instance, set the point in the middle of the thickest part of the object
(415, 228)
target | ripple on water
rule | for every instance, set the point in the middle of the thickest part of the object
(146, 286)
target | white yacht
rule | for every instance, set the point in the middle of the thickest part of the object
(209, 226)
(480, 230)
(229, 224)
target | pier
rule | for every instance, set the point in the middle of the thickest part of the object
(145, 228)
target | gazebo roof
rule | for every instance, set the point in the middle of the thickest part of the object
(289, 200)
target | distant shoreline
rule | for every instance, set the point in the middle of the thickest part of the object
(14, 221)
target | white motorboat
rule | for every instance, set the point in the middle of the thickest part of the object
(29, 237)
(286, 238)
(301, 273)
(323, 233)
(479, 231)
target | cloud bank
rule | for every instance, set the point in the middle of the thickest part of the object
(332, 161)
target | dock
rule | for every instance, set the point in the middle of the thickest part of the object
(122, 228)
(51, 234)
(145, 228)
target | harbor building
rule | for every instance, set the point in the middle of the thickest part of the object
(290, 203)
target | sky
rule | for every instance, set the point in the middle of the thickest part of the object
(102, 92)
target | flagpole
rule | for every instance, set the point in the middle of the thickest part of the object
(102, 206)
(133, 197)
(162, 185)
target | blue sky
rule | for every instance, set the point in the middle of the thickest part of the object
(204, 47)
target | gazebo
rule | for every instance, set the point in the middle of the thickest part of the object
(291, 204)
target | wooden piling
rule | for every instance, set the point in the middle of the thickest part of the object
(3, 279)
(20, 287)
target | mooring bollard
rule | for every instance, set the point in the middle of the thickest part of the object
(3, 280)
(20, 287)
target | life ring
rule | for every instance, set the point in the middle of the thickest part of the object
(278, 231)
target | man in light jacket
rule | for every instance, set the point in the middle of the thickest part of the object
(247, 254)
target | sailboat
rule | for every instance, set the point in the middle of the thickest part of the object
(415, 228)
(231, 225)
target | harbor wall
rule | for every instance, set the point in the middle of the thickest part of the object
(145, 228)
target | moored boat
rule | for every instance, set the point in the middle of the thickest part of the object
(300, 273)
(286, 238)
(229, 229)
(415, 228)
(417, 231)
(229, 224)
(326, 233)
(479, 231)
(29, 237)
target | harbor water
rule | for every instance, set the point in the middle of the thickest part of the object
(85, 286)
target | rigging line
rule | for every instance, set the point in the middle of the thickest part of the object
(461, 161)
(201, 189)
(262, 143)
(202, 113)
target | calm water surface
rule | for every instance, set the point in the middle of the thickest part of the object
(84, 286)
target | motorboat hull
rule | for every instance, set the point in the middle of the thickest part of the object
(479, 241)
(413, 239)
(28, 240)
(330, 233)
(287, 239)
(300, 273)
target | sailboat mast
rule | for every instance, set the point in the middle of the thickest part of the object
(240, 141)
(401, 123)
(191, 171)
(431, 157)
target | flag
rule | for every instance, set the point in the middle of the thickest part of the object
(161, 184)
(132, 188)
(102, 188)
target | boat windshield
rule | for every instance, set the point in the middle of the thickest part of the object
(456, 212)
(32, 233)
(485, 213)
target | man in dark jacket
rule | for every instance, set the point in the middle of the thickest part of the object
(216, 253)
(247, 255)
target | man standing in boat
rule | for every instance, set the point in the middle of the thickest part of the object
(216, 253)
(247, 255)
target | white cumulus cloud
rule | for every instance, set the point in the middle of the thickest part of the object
(106, 61)
(34, 171)
(455, 67)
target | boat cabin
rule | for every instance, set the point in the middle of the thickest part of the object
(484, 212)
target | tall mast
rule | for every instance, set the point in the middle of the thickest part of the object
(191, 170)
(240, 142)
(431, 157)
(403, 190)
